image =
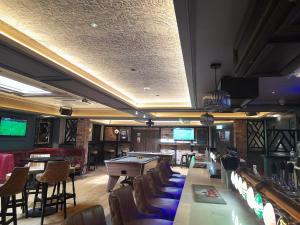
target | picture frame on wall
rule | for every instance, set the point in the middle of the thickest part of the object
(43, 133)
(202, 136)
(123, 135)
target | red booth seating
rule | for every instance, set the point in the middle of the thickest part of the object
(75, 155)
(7, 165)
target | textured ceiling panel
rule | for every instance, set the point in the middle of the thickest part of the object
(136, 34)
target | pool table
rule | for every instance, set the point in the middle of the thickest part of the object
(168, 157)
(129, 166)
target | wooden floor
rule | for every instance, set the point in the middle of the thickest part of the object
(90, 190)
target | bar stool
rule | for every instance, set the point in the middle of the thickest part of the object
(282, 172)
(167, 178)
(158, 190)
(166, 166)
(290, 175)
(14, 185)
(56, 187)
(123, 210)
(189, 158)
(149, 203)
(56, 172)
(184, 160)
(93, 215)
(93, 159)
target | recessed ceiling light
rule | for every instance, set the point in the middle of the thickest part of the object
(147, 88)
(16, 86)
(273, 92)
(94, 25)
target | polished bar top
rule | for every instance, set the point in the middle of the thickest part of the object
(190, 212)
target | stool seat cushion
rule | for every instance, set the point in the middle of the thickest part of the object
(150, 222)
(172, 192)
(167, 207)
(175, 175)
(175, 182)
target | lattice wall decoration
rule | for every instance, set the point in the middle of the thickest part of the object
(255, 135)
(71, 131)
(281, 140)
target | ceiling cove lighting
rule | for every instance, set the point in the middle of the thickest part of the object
(217, 99)
(11, 85)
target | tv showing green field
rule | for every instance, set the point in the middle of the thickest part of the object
(12, 127)
(183, 134)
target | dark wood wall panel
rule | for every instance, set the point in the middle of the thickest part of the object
(146, 139)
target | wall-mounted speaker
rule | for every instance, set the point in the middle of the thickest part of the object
(65, 111)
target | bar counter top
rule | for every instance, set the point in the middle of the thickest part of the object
(190, 212)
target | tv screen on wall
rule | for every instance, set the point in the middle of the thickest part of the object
(183, 134)
(12, 127)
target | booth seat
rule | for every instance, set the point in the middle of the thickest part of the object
(75, 155)
(7, 165)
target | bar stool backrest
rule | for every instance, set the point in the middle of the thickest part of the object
(156, 178)
(151, 182)
(140, 194)
(91, 216)
(16, 182)
(56, 171)
(122, 206)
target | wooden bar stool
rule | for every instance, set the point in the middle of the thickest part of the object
(56, 187)
(56, 172)
(14, 185)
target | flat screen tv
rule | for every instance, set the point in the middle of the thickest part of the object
(12, 127)
(183, 134)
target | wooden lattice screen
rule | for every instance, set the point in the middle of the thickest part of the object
(256, 135)
(70, 131)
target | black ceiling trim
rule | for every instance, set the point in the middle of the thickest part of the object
(15, 60)
(184, 22)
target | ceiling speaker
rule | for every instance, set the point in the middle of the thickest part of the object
(150, 123)
(65, 111)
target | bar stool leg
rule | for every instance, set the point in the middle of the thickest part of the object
(44, 201)
(73, 187)
(3, 210)
(37, 188)
(57, 194)
(25, 202)
(53, 192)
(14, 209)
(64, 199)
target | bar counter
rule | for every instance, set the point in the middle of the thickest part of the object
(190, 212)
